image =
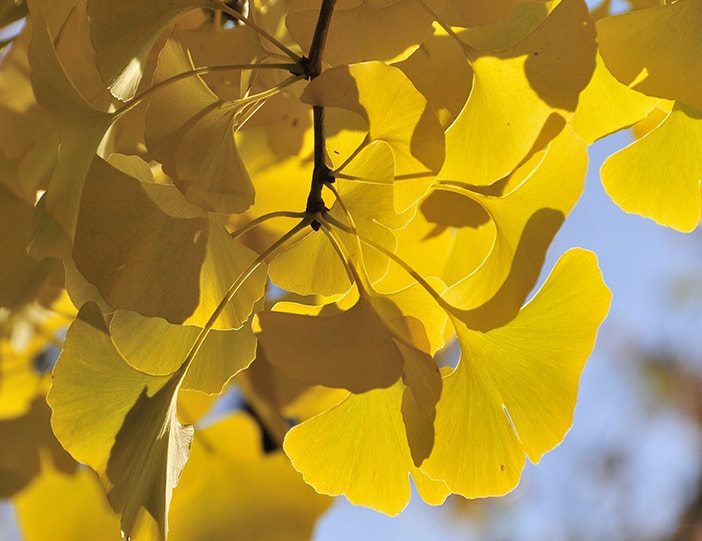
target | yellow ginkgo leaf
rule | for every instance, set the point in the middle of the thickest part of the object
(148, 250)
(515, 387)
(124, 33)
(359, 449)
(515, 92)
(157, 347)
(606, 105)
(191, 132)
(84, 513)
(657, 50)
(396, 113)
(659, 175)
(26, 441)
(476, 13)
(350, 349)
(81, 127)
(525, 219)
(232, 489)
(391, 29)
(120, 422)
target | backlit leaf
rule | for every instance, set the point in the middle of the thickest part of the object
(515, 91)
(120, 422)
(659, 175)
(514, 390)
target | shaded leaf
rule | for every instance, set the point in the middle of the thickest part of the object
(657, 50)
(120, 422)
(391, 29)
(140, 243)
(191, 132)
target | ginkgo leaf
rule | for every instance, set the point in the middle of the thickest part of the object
(124, 33)
(368, 199)
(25, 441)
(475, 13)
(659, 175)
(82, 128)
(525, 219)
(395, 112)
(359, 449)
(154, 346)
(391, 29)
(231, 488)
(606, 105)
(20, 275)
(84, 513)
(438, 59)
(148, 250)
(350, 349)
(657, 50)
(515, 91)
(515, 387)
(120, 422)
(191, 132)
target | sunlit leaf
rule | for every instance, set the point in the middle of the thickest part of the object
(475, 12)
(395, 112)
(516, 90)
(606, 105)
(514, 390)
(191, 131)
(148, 250)
(155, 346)
(657, 50)
(120, 422)
(659, 175)
(231, 489)
(525, 219)
(359, 449)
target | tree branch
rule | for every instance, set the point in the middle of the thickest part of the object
(321, 174)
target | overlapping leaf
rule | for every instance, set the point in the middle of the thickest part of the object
(359, 449)
(232, 489)
(657, 50)
(515, 387)
(120, 422)
(396, 113)
(515, 92)
(82, 128)
(148, 250)
(391, 29)
(539, 197)
(191, 132)
(124, 33)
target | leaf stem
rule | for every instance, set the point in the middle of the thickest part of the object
(131, 104)
(265, 217)
(236, 284)
(248, 22)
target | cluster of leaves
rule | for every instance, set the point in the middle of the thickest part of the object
(315, 202)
